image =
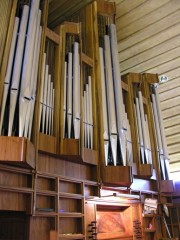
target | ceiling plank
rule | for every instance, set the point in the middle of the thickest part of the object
(148, 54)
(168, 122)
(124, 7)
(60, 10)
(174, 111)
(173, 139)
(175, 148)
(169, 85)
(175, 166)
(167, 66)
(174, 101)
(151, 18)
(173, 73)
(169, 94)
(155, 40)
(172, 130)
(151, 30)
(167, 58)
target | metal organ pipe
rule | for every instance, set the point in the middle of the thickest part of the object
(8, 71)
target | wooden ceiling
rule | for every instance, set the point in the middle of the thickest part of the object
(60, 10)
(149, 41)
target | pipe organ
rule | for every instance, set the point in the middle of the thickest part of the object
(80, 132)
(66, 101)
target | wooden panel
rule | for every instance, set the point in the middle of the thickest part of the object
(90, 156)
(172, 130)
(16, 150)
(174, 148)
(173, 139)
(53, 235)
(167, 186)
(90, 215)
(174, 92)
(149, 42)
(173, 111)
(105, 8)
(144, 185)
(148, 19)
(174, 73)
(47, 143)
(60, 166)
(123, 7)
(169, 85)
(168, 122)
(70, 146)
(61, 10)
(116, 175)
(151, 30)
(169, 66)
(40, 228)
(168, 60)
(175, 166)
(174, 101)
(174, 157)
(19, 202)
(149, 54)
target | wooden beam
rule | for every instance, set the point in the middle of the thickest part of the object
(52, 35)
(106, 8)
(125, 86)
(87, 60)
(71, 27)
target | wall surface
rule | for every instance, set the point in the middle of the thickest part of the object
(149, 41)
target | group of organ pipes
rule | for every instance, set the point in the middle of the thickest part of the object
(20, 90)
(46, 100)
(20, 83)
(117, 135)
(72, 109)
